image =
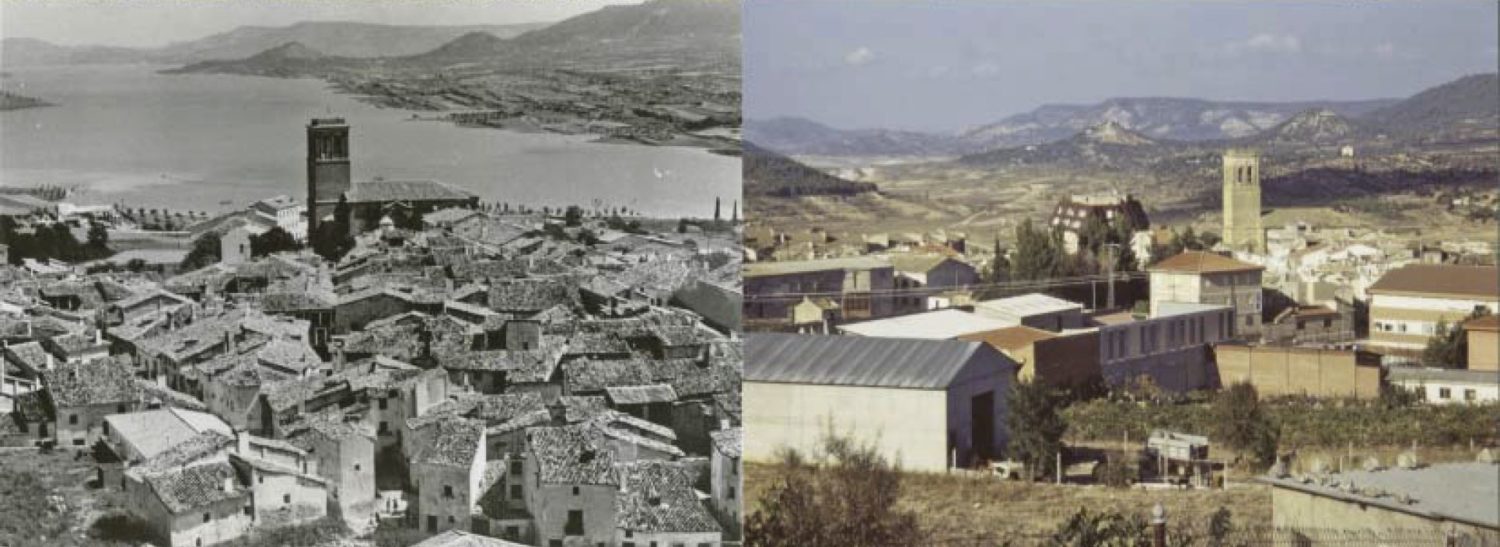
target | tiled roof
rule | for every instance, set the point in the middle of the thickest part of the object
(1202, 262)
(1009, 338)
(196, 448)
(1441, 280)
(102, 381)
(658, 497)
(457, 538)
(154, 431)
(532, 294)
(574, 454)
(727, 441)
(455, 443)
(577, 408)
(638, 395)
(182, 490)
(404, 190)
(29, 354)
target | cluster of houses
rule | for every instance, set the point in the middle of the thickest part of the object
(485, 376)
(876, 340)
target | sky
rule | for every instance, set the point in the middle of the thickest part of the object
(943, 65)
(154, 23)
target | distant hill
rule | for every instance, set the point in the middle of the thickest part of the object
(1108, 144)
(1157, 118)
(669, 23)
(291, 59)
(801, 136)
(11, 101)
(331, 38)
(1468, 107)
(469, 47)
(1318, 127)
(659, 32)
(770, 174)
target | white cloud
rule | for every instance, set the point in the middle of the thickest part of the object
(860, 56)
(1260, 43)
(985, 69)
(1273, 43)
(1385, 51)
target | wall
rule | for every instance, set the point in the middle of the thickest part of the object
(1295, 510)
(727, 490)
(90, 423)
(1070, 360)
(227, 521)
(665, 539)
(1406, 322)
(551, 503)
(283, 498)
(431, 479)
(981, 375)
(905, 424)
(1170, 350)
(1297, 371)
(1484, 350)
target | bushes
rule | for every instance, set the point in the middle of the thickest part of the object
(1036, 428)
(311, 534)
(845, 496)
(1301, 422)
(1241, 424)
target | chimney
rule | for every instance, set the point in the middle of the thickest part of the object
(50, 364)
(242, 442)
(99, 336)
(723, 424)
(228, 341)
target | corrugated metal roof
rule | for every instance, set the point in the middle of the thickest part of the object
(934, 325)
(1027, 305)
(860, 361)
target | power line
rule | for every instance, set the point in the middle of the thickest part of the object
(1018, 285)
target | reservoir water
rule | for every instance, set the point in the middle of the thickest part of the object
(130, 136)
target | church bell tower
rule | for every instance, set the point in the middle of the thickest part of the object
(327, 168)
(1242, 229)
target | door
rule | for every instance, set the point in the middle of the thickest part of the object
(432, 523)
(982, 424)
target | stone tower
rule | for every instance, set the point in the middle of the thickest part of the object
(327, 167)
(1242, 229)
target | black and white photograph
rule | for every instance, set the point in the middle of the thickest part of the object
(461, 273)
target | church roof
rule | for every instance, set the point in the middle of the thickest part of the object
(404, 190)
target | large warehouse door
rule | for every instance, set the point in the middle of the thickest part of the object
(982, 420)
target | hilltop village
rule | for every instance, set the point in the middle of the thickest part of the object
(924, 346)
(396, 361)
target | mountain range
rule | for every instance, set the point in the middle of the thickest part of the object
(657, 32)
(332, 38)
(1464, 109)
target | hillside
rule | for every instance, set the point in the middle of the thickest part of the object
(292, 59)
(770, 174)
(679, 33)
(1464, 109)
(1106, 145)
(11, 101)
(332, 38)
(805, 137)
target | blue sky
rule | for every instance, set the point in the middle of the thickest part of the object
(947, 64)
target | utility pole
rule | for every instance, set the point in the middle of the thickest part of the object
(1110, 267)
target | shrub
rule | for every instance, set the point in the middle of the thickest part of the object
(845, 496)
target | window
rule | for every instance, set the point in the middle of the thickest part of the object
(1470, 395)
(72, 419)
(261, 479)
(249, 511)
(515, 467)
(207, 517)
(286, 498)
(447, 491)
(385, 429)
(450, 519)
(77, 442)
(574, 526)
(1445, 393)
(356, 467)
(512, 532)
(554, 543)
(515, 491)
(575, 490)
(731, 492)
(382, 404)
